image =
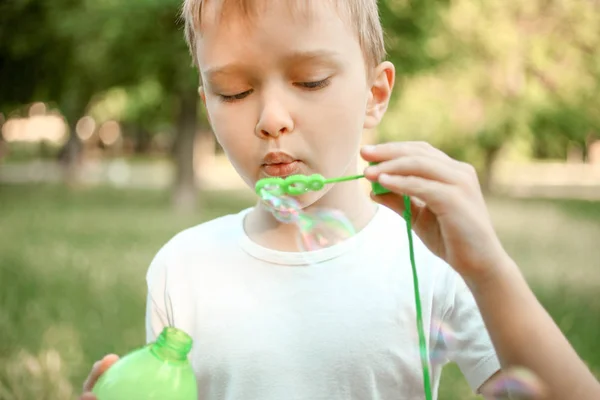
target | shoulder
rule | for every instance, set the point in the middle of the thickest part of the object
(199, 241)
(207, 235)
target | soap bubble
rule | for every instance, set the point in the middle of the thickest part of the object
(517, 384)
(284, 208)
(444, 341)
(323, 228)
(317, 229)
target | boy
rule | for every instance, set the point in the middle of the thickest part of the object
(289, 87)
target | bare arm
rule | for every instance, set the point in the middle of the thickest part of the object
(525, 335)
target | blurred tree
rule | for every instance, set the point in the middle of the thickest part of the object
(28, 70)
(409, 26)
(68, 52)
(516, 72)
(141, 109)
(39, 64)
(136, 44)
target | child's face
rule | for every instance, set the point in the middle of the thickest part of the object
(286, 83)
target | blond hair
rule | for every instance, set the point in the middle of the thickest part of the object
(363, 15)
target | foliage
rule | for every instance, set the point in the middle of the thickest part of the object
(517, 72)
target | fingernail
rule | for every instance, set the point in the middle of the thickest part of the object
(369, 148)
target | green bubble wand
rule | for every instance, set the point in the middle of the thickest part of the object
(296, 185)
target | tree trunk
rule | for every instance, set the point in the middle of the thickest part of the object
(143, 139)
(73, 106)
(490, 156)
(587, 145)
(185, 192)
(70, 155)
(3, 144)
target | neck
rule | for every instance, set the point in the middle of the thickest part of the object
(351, 198)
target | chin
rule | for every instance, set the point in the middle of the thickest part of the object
(311, 199)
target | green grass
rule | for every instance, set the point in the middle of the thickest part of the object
(72, 268)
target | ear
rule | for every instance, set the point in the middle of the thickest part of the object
(380, 93)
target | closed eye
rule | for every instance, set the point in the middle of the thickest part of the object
(234, 97)
(314, 85)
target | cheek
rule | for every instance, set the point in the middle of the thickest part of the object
(337, 123)
(227, 123)
(343, 109)
(234, 134)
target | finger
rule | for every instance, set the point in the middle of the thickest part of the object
(87, 396)
(386, 151)
(107, 362)
(90, 380)
(422, 166)
(98, 369)
(436, 195)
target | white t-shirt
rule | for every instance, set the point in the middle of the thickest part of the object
(268, 326)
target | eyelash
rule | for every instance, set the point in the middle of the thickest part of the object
(235, 97)
(305, 85)
(314, 85)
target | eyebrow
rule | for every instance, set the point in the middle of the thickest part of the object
(303, 56)
(325, 56)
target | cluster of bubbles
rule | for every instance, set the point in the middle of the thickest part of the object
(317, 229)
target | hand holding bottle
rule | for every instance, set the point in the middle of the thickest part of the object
(157, 371)
(97, 370)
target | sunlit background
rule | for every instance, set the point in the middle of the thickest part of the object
(105, 154)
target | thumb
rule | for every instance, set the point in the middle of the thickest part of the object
(99, 368)
(107, 362)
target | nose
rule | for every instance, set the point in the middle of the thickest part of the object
(275, 120)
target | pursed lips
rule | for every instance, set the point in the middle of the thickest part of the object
(280, 164)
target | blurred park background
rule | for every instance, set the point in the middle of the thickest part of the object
(106, 153)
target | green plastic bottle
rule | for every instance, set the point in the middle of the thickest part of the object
(158, 371)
